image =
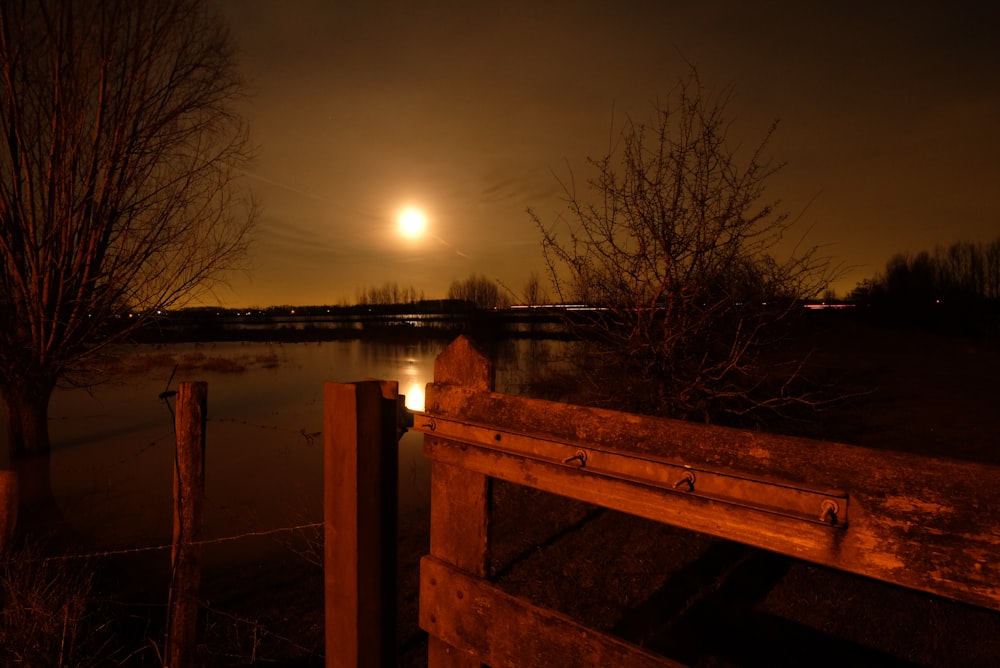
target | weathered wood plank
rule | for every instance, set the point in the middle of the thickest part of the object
(189, 494)
(477, 617)
(774, 532)
(807, 503)
(460, 498)
(359, 508)
(463, 363)
(460, 507)
(10, 494)
(927, 524)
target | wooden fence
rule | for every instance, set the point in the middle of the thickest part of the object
(926, 524)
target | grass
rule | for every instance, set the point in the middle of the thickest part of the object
(50, 616)
(70, 613)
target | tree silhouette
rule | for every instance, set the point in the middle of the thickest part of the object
(388, 293)
(479, 290)
(118, 198)
(674, 243)
(534, 293)
(955, 287)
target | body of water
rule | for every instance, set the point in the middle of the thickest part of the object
(113, 445)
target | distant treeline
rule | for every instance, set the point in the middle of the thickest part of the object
(389, 293)
(360, 310)
(423, 318)
(476, 289)
(956, 287)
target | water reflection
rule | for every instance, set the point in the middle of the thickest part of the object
(413, 392)
(111, 462)
(113, 447)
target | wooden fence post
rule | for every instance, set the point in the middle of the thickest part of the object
(360, 471)
(460, 499)
(189, 489)
(10, 495)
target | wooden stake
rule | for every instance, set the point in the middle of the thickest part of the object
(10, 494)
(189, 490)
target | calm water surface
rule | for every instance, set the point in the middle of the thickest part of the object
(113, 446)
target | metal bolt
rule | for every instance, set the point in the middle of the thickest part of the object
(686, 481)
(430, 424)
(580, 457)
(828, 512)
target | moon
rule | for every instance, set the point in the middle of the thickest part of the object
(411, 223)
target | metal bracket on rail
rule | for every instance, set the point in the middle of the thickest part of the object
(404, 417)
(813, 505)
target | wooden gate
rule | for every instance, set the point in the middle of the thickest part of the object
(926, 524)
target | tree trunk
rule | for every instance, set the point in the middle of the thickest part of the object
(28, 419)
(10, 496)
(28, 433)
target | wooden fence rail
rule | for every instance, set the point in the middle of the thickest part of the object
(926, 524)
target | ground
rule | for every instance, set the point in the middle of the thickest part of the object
(698, 600)
(706, 602)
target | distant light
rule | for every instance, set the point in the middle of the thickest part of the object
(824, 305)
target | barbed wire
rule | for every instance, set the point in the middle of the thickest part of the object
(256, 624)
(154, 548)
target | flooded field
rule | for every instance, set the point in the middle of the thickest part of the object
(112, 445)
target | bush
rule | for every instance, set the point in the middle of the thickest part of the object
(674, 245)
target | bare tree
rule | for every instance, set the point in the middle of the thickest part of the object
(954, 288)
(673, 243)
(534, 293)
(387, 294)
(991, 269)
(118, 195)
(479, 290)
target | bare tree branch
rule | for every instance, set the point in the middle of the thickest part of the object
(674, 242)
(118, 190)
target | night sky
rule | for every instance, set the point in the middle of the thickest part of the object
(474, 111)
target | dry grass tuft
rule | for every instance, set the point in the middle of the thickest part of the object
(48, 616)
